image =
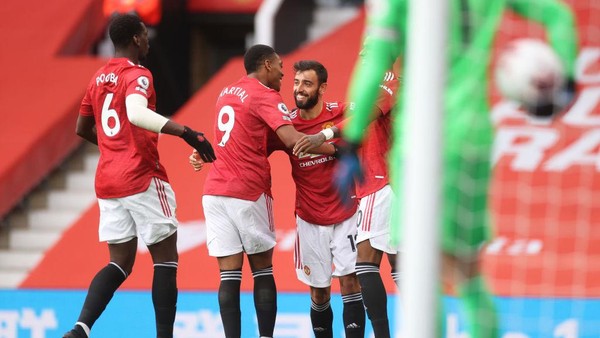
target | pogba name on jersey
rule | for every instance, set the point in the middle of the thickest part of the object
(104, 78)
(237, 91)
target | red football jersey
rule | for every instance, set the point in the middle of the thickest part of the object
(246, 112)
(317, 200)
(374, 151)
(128, 154)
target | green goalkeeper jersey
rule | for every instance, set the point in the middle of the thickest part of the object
(467, 128)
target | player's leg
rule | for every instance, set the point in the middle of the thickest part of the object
(223, 241)
(230, 268)
(344, 260)
(154, 214)
(466, 229)
(474, 294)
(118, 229)
(265, 291)
(164, 284)
(313, 259)
(254, 221)
(321, 314)
(372, 288)
(373, 241)
(354, 309)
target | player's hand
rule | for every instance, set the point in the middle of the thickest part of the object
(200, 143)
(307, 143)
(559, 102)
(195, 161)
(348, 170)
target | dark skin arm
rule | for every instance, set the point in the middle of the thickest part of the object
(308, 142)
(289, 136)
(86, 129)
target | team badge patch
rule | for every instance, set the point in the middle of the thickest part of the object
(306, 270)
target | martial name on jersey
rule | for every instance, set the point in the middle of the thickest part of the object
(237, 91)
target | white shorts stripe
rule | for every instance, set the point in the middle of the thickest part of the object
(297, 258)
(162, 196)
(269, 203)
(149, 215)
(375, 223)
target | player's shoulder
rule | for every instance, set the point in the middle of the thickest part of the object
(335, 108)
(390, 83)
(134, 71)
(389, 76)
(254, 89)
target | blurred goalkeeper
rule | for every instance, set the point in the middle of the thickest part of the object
(468, 133)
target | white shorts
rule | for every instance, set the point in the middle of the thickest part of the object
(235, 225)
(149, 214)
(318, 247)
(374, 213)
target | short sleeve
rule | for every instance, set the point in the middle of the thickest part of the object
(273, 111)
(86, 104)
(140, 82)
(387, 96)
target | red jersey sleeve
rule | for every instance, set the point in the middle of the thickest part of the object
(387, 93)
(273, 111)
(86, 108)
(140, 82)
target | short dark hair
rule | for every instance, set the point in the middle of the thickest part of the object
(304, 65)
(255, 56)
(123, 27)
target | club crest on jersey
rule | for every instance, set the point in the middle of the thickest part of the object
(327, 124)
(143, 83)
(306, 270)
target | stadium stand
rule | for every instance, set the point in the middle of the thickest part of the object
(44, 79)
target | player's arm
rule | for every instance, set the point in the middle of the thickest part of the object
(141, 116)
(289, 136)
(381, 48)
(86, 128)
(308, 142)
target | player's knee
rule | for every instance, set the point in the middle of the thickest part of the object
(458, 269)
(349, 284)
(367, 254)
(320, 295)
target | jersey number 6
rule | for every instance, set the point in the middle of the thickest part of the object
(107, 113)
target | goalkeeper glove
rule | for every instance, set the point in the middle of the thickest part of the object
(348, 170)
(200, 143)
